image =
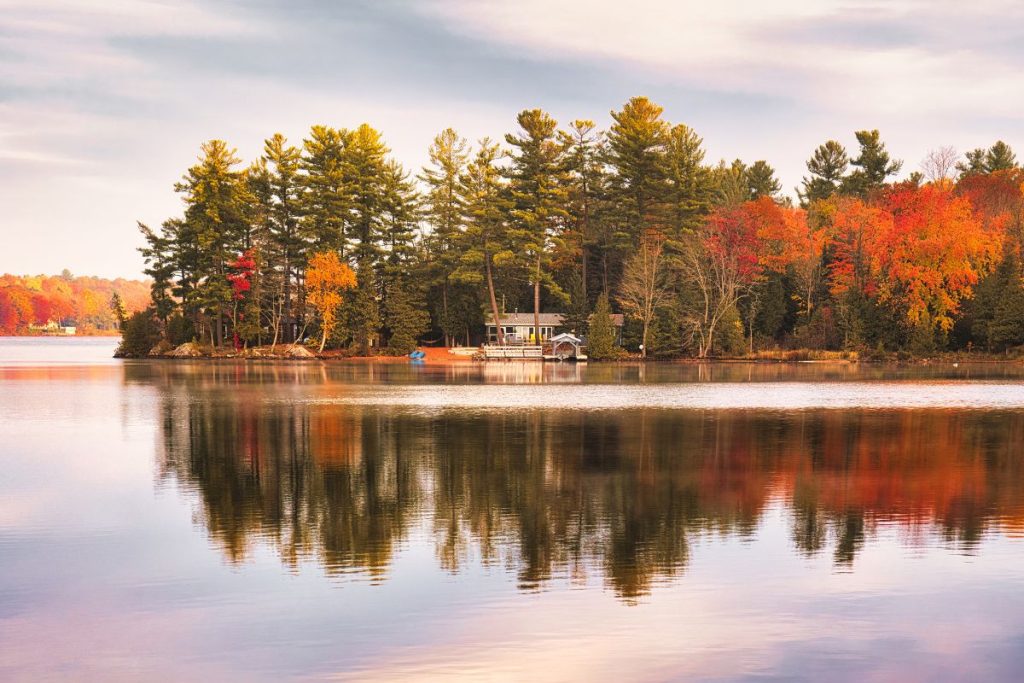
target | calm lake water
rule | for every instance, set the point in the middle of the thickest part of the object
(243, 522)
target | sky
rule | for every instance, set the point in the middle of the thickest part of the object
(103, 104)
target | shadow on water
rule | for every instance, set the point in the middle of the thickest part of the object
(621, 496)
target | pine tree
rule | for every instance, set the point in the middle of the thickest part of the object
(828, 169)
(872, 167)
(325, 194)
(484, 245)
(688, 182)
(636, 154)
(216, 200)
(365, 162)
(974, 162)
(1000, 157)
(537, 189)
(118, 308)
(761, 181)
(161, 265)
(286, 252)
(587, 191)
(444, 212)
(730, 184)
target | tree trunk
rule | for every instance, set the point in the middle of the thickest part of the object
(287, 297)
(583, 259)
(536, 303)
(604, 274)
(444, 313)
(710, 341)
(643, 339)
(494, 301)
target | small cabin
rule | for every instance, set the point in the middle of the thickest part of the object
(519, 327)
(54, 328)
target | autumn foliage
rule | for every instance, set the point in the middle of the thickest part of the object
(931, 253)
(326, 280)
(917, 252)
(80, 301)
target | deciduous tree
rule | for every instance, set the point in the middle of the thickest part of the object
(645, 287)
(327, 277)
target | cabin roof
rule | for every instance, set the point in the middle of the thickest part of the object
(546, 319)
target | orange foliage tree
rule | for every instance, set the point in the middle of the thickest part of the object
(789, 243)
(997, 198)
(930, 254)
(327, 277)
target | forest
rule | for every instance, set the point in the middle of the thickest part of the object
(93, 305)
(332, 242)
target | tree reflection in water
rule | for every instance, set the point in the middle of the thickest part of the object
(617, 495)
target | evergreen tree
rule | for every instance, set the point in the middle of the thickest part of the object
(161, 265)
(999, 306)
(537, 189)
(828, 169)
(405, 317)
(444, 212)
(974, 162)
(688, 182)
(363, 310)
(484, 244)
(286, 251)
(872, 167)
(140, 334)
(587, 193)
(399, 218)
(365, 161)
(325, 195)
(730, 182)
(1000, 157)
(636, 154)
(216, 200)
(118, 308)
(601, 339)
(1007, 328)
(761, 181)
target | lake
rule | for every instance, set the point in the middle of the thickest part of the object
(165, 520)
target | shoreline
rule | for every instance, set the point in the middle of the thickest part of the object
(442, 356)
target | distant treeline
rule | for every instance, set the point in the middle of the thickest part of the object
(333, 239)
(89, 303)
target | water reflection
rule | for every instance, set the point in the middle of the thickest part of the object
(621, 496)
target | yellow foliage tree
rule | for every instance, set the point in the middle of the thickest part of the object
(326, 278)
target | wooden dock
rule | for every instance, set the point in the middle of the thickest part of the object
(545, 352)
(516, 351)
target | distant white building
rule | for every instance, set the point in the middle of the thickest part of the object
(53, 328)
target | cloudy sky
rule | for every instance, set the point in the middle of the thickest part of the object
(103, 103)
